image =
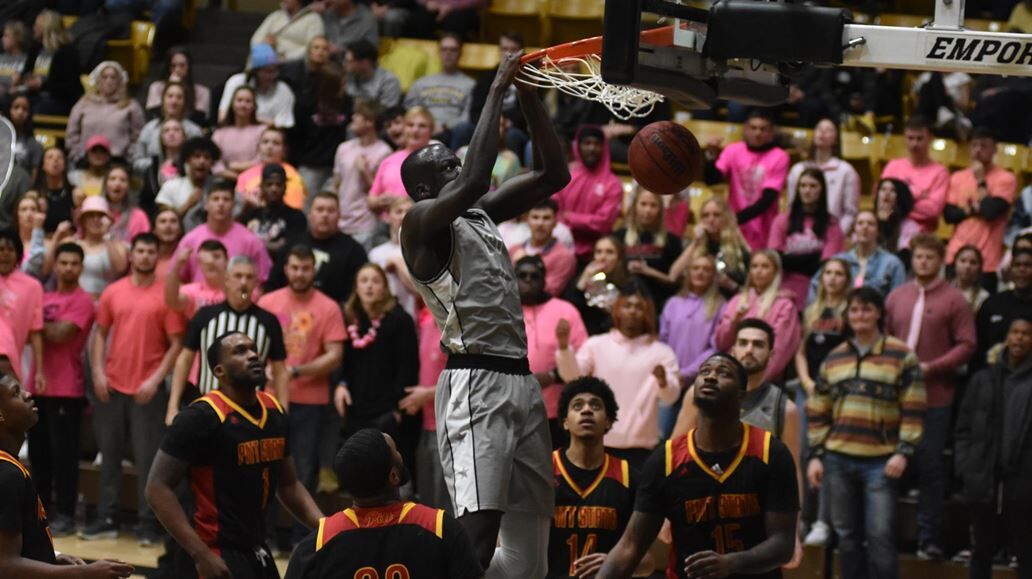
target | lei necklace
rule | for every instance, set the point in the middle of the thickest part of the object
(360, 342)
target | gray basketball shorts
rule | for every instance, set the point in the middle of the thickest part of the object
(495, 445)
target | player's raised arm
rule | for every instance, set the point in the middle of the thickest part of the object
(551, 173)
(442, 186)
(623, 559)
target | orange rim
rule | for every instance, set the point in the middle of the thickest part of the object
(663, 36)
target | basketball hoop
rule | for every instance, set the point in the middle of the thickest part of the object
(575, 68)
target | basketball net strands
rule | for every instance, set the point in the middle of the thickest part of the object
(748, 51)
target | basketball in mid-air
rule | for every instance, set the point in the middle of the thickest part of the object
(665, 158)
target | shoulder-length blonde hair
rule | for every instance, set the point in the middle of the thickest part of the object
(765, 299)
(732, 244)
(634, 230)
(711, 297)
(353, 310)
(122, 96)
(813, 312)
(53, 31)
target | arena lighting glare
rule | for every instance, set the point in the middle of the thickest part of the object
(749, 50)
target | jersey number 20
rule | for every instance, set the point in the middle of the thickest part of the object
(395, 571)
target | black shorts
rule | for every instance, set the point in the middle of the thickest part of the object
(243, 564)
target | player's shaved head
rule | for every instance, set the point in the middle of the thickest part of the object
(427, 170)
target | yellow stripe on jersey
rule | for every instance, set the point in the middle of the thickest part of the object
(319, 535)
(583, 493)
(8, 458)
(351, 515)
(274, 401)
(218, 411)
(440, 524)
(734, 464)
(405, 510)
(259, 422)
(625, 474)
(669, 456)
(766, 448)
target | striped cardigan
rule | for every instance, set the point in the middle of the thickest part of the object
(867, 406)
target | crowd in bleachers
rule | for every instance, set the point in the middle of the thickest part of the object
(273, 204)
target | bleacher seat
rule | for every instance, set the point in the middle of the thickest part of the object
(133, 53)
(570, 20)
(523, 16)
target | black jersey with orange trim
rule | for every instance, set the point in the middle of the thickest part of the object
(591, 510)
(235, 457)
(396, 541)
(718, 501)
(22, 512)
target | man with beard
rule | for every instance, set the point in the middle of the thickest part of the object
(381, 535)
(232, 445)
(26, 548)
(137, 339)
(728, 489)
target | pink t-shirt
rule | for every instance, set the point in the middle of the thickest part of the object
(928, 184)
(238, 241)
(748, 173)
(21, 311)
(138, 223)
(237, 144)
(987, 236)
(140, 324)
(387, 180)
(540, 321)
(200, 294)
(355, 216)
(64, 367)
(307, 326)
(432, 360)
(249, 184)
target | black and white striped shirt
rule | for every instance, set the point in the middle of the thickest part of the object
(212, 321)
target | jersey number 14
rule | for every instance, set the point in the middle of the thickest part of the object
(589, 547)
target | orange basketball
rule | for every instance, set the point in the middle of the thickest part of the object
(665, 158)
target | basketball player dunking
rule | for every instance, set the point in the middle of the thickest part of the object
(491, 430)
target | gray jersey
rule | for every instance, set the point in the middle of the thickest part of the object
(765, 408)
(474, 299)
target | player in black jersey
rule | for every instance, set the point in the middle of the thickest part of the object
(728, 489)
(26, 547)
(594, 495)
(232, 443)
(382, 537)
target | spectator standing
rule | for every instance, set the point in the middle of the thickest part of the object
(367, 81)
(936, 321)
(841, 178)
(21, 309)
(173, 107)
(598, 285)
(356, 162)
(978, 204)
(542, 314)
(68, 316)
(52, 183)
(762, 297)
(239, 241)
(967, 274)
(186, 194)
(755, 170)
(127, 220)
(272, 220)
(169, 230)
(106, 258)
(718, 235)
(289, 29)
(448, 94)
(28, 153)
(212, 261)
(179, 68)
(860, 445)
(163, 165)
(105, 111)
(314, 334)
(271, 151)
(52, 78)
(237, 313)
(649, 248)
(560, 263)
(927, 180)
(419, 126)
(338, 257)
(136, 342)
(999, 310)
(430, 483)
(870, 264)
(388, 256)
(348, 21)
(641, 370)
(590, 203)
(238, 134)
(274, 101)
(29, 225)
(807, 235)
(991, 450)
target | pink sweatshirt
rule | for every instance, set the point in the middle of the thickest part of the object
(783, 317)
(626, 365)
(928, 184)
(748, 173)
(540, 321)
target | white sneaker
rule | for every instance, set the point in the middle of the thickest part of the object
(818, 536)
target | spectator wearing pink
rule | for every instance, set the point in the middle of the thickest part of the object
(928, 180)
(212, 260)
(978, 203)
(356, 162)
(21, 307)
(755, 170)
(238, 135)
(68, 316)
(314, 334)
(127, 220)
(842, 179)
(169, 229)
(641, 369)
(937, 323)
(560, 264)
(805, 236)
(236, 238)
(137, 339)
(590, 203)
(762, 297)
(542, 313)
(419, 127)
(105, 110)
(271, 150)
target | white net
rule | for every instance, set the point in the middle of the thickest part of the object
(582, 77)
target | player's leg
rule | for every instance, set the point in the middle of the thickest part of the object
(880, 494)
(845, 496)
(482, 528)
